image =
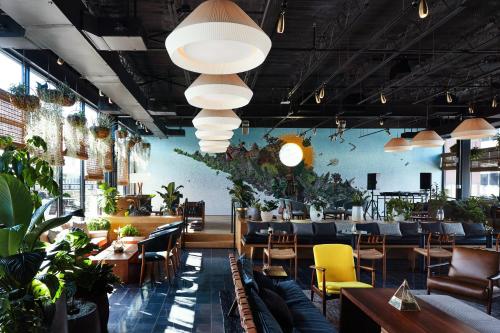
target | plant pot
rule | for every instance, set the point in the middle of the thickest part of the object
(29, 103)
(121, 134)
(67, 101)
(98, 233)
(316, 215)
(242, 212)
(266, 216)
(398, 217)
(102, 302)
(132, 239)
(254, 214)
(100, 132)
(76, 120)
(60, 320)
(357, 213)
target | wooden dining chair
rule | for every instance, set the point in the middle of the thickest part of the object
(281, 246)
(371, 247)
(438, 246)
(156, 249)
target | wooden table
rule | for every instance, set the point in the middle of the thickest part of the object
(368, 310)
(121, 261)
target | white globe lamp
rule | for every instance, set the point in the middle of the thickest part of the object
(291, 154)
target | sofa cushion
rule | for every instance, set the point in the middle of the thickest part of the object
(474, 229)
(263, 281)
(263, 318)
(343, 226)
(473, 240)
(453, 228)
(431, 227)
(278, 309)
(408, 228)
(255, 227)
(281, 226)
(304, 232)
(306, 317)
(389, 229)
(371, 228)
(255, 239)
(246, 272)
(324, 229)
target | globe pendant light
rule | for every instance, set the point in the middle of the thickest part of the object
(473, 128)
(214, 135)
(218, 37)
(218, 120)
(291, 154)
(427, 139)
(218, 92)
(214, 143)
(397, 145)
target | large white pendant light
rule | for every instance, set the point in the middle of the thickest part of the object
(213, 149)
(218, 120)
(214, 143)
(291, 154)
(218, 92)
(218, 37)
(397, 145)
(214, 135)
(473, 128)
(427, 138)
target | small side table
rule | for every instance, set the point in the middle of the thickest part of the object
(273, 272)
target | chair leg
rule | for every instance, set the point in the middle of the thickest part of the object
(488, 305)
(263, 258)
(167, 270)
(143, 270)
(312, 295)
(358, 268)
(324, 305)
(384, 270)
(295, 267)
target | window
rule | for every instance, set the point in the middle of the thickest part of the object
(12, 73)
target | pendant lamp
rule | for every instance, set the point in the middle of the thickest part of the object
(427, 138)
(473, 128)
(218, 92)
(217, 120)
(218, 37)
(214, 143)
(214, 135)
(213, 149)
(397, 145)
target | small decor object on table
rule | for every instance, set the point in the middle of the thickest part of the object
(266, 210)
(403, 299)
(274, 272)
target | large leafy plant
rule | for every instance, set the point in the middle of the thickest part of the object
(107, 199)
(241, 193)
(398, 206)
(171, 197)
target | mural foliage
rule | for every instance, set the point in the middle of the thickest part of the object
(262, 168)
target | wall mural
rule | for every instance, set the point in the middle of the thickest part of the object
(261, 167)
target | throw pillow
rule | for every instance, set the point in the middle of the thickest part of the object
(474, 229)
(254, 227)
(246, 272)
(389, 229)
(325, 229)
(303, 229)
(263, 318)
(281, 226)
(431, 227)
(454, 228)
(263, 281)
(278, 308)
(408, 228)
(370, 228)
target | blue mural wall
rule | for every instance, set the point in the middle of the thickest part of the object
(398, 171)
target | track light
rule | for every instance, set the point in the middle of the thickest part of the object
(60, 61)
(317, 98)
(101, 93)
(381, 122)
(110, 101)
(314, 131)
(337, 121)
(449, 98)
(471, 108)
(245, 127)
(383, 99)
(423, 9)
(494, 102)
(280, 27)
(322, 92)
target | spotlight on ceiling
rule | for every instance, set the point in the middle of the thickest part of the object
(494, 102)
(110, 101)
(423, 9)
(449, 98)
(280, 26)
(322, 92)
(317, 98)
(471, 108)
(245, 127)
(381, 122)
(383, 99)
(60, 61)
(101, 93)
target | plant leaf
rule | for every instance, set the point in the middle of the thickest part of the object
(22, 267)
(38, 215)
(15, 202)
(10, 240)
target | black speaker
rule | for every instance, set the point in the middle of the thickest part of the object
(425, 181)
(372, 181)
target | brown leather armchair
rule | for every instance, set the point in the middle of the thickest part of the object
(473, 274)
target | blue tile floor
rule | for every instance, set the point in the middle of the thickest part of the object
(191, 302)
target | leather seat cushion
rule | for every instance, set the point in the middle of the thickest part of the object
(463, 287)
(153, 256)
(335, 287)
(280, 253)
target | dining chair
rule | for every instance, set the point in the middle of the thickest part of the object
(281, 246)
(371, 247)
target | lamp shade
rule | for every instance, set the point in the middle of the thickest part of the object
(291, 154)
(473, 128)
(218, 92)
(218, 37)
(214, 143)
(214, 135)
(214, 150)
(218, 120)
(427, 139)
(396, 145)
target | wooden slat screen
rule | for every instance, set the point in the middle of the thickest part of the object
(12, 120)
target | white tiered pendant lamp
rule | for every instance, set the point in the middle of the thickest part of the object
(427, 138)
(218, 37)
(213, 135)
(397, 145)
(218, 92)
(473, 128)
(216, 120)
(213, 146)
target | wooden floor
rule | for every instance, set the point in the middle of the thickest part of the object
(216, 234)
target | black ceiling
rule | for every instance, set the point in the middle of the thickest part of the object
(358, 48)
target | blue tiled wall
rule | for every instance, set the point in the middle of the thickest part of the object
(399, 171)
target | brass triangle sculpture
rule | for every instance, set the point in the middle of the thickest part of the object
(403, 299)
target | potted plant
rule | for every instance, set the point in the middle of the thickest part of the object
(358, 200)
(134, 139)
(77, 119)
(102, 126)
(254, 210)
(267, 210)
(129, 234)
(121, 133)
(398, 210)
(171, 198)
(98, 227)
(62, 95)
(20, 98)
(107, 199)
(242, 194)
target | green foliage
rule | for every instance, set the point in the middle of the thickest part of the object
(77, 119)
(108, 198)
(98, 223)
(359, 198)
(398, 206)
(476, 153)
(256, 204)
(103, 120)
(269, 205)
(241, 193)
(18, 89)
(32, 171)
(171, 197)
(129, 231)
(316, 190)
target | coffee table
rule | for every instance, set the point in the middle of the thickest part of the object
(120, 261)
(368, 310)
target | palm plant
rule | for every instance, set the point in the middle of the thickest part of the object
(171, 197)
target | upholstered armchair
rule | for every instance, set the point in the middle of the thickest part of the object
(473, 274)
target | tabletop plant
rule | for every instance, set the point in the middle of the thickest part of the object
(269, 205)
(171, 198)
(129, 231)
(108, 198)
(359, 198)
(98, 223)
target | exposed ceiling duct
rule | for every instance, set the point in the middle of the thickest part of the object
(47, 27)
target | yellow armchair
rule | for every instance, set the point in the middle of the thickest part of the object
(334, 269)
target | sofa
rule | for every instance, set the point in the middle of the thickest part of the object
(270, 306)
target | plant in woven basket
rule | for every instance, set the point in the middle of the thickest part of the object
(20, 98)
(61, 95)
(76, 136)
(102, 126)
(77, 119)
(134, 139)
(121, 133)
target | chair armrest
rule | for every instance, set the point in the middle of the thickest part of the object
(318, 268)
(367, 268)
(494, 277)
(438, 265)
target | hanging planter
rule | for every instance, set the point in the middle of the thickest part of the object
(135, 139)
(76, 136)
(102, 126)
(61, 95)
(20, 100)
(77, 119)
(100, 132)
(121, 133)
